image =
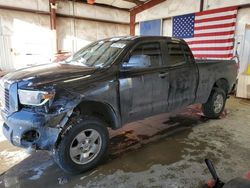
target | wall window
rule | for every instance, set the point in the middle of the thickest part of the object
(144, 56)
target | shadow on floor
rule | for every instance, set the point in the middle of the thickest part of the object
(126, 145)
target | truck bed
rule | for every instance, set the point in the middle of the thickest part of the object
(212, 70)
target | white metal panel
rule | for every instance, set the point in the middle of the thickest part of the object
(92, 11)
(64, 33)
(41, 5)
(123, 4)
(243, 18)
(6, 57)
(212, 4)
(1, 26)
(169, 8)
(107, 2)
(112, 14)
(137, 29)
(26, 39)
(245, 58)
(74, 34)
(167, 27)
(243, 86)
(122, 30)
(106, 30)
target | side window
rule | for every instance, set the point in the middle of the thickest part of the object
(175, 54)
(143, 56)
(188, 53)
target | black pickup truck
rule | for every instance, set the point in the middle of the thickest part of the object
(67, 107)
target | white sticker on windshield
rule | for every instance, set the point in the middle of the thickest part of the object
(118, 45)
(115, 39)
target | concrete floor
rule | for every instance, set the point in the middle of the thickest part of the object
(161, 151)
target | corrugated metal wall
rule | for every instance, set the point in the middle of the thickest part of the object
(6, 57)
(26, 38)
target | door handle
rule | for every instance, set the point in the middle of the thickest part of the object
(163, 75)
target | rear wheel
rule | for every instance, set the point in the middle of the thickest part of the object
(83, 146)
(214, 107)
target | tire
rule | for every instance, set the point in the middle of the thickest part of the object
(212, 109)
(80, 138)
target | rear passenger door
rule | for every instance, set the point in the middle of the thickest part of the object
(183, 75)
(143, 83)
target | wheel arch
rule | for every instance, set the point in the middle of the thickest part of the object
(101, 110)
(223, 84)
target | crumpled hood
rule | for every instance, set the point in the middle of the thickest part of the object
(52, 73)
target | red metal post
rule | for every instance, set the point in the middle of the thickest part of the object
(201, 5)
(52, 10)
(132, 24)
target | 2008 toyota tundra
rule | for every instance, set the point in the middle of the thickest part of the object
(66, 107)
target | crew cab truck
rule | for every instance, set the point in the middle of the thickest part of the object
(66, 107)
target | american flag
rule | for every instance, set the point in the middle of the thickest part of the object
(209, 34)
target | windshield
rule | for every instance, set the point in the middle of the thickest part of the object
(98, 54)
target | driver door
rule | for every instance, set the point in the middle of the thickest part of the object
(143, 83)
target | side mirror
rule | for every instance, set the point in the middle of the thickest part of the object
(125, 64)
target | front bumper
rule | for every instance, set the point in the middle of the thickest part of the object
(19, 123)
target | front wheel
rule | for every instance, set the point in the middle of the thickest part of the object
(214, 107)
(83, 146)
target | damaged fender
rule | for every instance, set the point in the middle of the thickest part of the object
(33, 128)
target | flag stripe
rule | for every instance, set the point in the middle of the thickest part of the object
(210, 38)
(215, 22)
(211, 42)
(211, 45)
(224, 52)
(216, 15)
(214, 30)
(216, 19)
(212, 48)
(214, 34)
(223, 56)
(214, 11)
(215, 26)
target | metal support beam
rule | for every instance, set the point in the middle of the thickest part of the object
(132, 24)
(201, 5)
(138, 9)
(52, 10)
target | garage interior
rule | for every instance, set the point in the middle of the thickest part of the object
(165, 150)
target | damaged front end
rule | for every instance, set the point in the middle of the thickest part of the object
(34, 118)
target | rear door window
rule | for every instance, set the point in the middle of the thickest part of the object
(145, 55)
(175, 54)
(188, 54)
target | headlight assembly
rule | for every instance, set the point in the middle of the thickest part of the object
(34, 98)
